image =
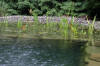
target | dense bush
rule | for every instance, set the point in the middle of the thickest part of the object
(48, 7)
(3, 8)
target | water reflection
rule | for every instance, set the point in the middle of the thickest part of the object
(41, 52)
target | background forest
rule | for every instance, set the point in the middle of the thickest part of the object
(50, 7)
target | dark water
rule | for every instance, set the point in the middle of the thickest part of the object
(41, 52)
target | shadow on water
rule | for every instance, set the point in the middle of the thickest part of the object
(41, 52)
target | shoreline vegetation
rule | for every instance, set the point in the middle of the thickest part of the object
(74, 21)
(43, 19)
(66, 27)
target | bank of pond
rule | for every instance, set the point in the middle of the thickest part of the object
(49, 44)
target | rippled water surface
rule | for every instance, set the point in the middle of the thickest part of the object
(41, 52)
(22, 46)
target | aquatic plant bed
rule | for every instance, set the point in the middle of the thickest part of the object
(47, 43)
(64, 27)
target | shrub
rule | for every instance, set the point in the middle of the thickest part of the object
(54, 7)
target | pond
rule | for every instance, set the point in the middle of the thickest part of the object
(41, 52)
(29, 45)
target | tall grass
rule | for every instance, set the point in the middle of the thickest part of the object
(73, 27)
(91, 30)
(6, 23)
(19, 24)
(65, 29)
(68, 29)
(91, 26)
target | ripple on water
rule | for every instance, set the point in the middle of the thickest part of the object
(43, 53)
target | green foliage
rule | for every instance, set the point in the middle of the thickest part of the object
(94, 6)
(54, 7)
(71, 8)
(23, 7)
(91, 26)
(12, 11)
(19, 24)
(63, 29)
(3, 8)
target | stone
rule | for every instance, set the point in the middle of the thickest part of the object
(95, 57)
(93, 63)
(43, 19)
(97, 43)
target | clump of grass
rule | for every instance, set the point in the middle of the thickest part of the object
(91, 26)
(66, 29)
(73, 27)
(6, 23)
(70, 29)
(91, 30)
(3, 26)
(35, 18)
(19, 24)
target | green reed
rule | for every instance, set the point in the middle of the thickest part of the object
(35, 17)
(0, 26)
(6, 23)
(66, 29)
(19, 24)
(91, 30)
(3, 25)
(47, 23)
(73, 27)
(37, 27)
(91, 26)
